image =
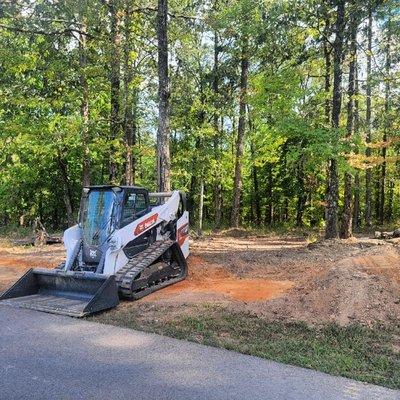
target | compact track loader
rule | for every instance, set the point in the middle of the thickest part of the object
(128, 243)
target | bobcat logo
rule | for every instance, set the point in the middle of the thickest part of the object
(93, 253)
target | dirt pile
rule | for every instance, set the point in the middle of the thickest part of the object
(363, 288)
(341, 281)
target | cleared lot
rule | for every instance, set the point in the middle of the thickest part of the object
(332, 306)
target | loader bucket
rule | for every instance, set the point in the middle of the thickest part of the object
(63, 292)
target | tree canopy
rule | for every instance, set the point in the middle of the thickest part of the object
(279, 112)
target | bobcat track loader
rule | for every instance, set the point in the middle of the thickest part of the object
(128, 243)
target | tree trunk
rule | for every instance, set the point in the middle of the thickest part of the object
(84, 107)
(302, 194)
(356, 208)
(201, 206)
(217, 181)
(386, 129)
(328, 65)
(199, 151)
(192, 191)
(237, 185)
(254, 173)
(257, 205)
(389, 212)
(115, 61)
(377, 194)
(163, 155)
(191, 200)
(368, 123)
(270, 205)
(286, 209)
(67, 191)
(256, 191)
(382, 180)
(331, 230)
(346, 228)
(130, 100)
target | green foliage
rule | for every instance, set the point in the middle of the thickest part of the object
(288, 139)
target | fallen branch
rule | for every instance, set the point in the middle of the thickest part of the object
(387, 235)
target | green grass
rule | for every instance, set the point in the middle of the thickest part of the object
(355, 352)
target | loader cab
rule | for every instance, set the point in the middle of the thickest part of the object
(105, 209)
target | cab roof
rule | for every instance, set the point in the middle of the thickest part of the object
(115, 188)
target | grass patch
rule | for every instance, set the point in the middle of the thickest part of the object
(355, 352)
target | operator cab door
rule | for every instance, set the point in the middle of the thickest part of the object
(135, 204)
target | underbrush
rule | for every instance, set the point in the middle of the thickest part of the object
(10, 234)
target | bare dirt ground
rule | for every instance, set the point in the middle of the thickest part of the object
(276, 278)
(16, 260)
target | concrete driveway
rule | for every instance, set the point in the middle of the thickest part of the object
(44, 356)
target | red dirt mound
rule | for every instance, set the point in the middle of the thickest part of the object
(362, 288)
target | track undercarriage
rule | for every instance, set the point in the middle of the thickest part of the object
(160, 265)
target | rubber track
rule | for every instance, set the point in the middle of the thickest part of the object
(137, 264)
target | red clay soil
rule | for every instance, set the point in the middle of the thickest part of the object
(356, 280)
(277, 278)
(15, 261)
(362, 286)
(211, 279)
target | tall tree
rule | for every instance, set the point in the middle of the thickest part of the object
(115, 83)
(386, 128)
(217, 154)
(328, 65)
(368, 122)
(254, 172)
(347, 217)
(84, 104)
(331, 229)
(237, 184)
(130, 98)
(357, 183)
(163, 155)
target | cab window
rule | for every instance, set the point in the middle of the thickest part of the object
(134, 207)
(141, 205)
